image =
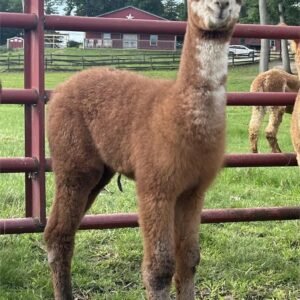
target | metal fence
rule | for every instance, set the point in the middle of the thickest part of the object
(34, 96)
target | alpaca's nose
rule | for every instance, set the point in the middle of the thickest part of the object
(222, 4)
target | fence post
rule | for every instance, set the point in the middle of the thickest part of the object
(34, 114)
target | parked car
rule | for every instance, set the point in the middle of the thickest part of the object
(241, 50)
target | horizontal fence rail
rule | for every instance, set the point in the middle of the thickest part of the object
(127, 220)
(20, 96)
(28, 164)
(34, 25)
(18, 20)
(18, 165)
(260, 99)
(71, 23)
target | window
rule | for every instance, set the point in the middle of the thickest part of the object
(272, 43)
(106, 36)
(107, 42)
(153, 39)
(130, 41)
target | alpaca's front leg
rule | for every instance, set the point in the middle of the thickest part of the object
(156, 218)
(187, 220)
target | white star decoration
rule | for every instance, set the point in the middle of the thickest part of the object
(130, 17)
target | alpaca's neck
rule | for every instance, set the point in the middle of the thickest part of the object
(204, 60)
(201, 82)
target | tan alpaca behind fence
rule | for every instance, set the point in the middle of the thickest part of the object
(295, 127)
(274, 80)
(167, 135)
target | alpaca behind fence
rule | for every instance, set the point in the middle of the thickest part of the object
(274, 80)
(167, 135)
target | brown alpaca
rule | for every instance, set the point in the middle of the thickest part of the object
(295, 127)
(167, 135)
(274, 80)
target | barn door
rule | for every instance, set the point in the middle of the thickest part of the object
(130, 41)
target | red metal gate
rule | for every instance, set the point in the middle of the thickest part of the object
(34, 164)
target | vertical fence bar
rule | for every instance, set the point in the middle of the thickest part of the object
(34, 114)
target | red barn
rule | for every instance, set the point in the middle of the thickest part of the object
(130, 41)
(15, 43)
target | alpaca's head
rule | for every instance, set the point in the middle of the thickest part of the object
(216, 15)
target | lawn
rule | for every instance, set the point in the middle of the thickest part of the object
(258, 260)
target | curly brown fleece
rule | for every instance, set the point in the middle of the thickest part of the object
(295, 127)
(167, 135)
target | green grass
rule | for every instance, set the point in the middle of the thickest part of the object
(239, 261)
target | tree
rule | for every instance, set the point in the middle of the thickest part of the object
(291, 12)
(284, 46)
(10, 6)
(96, 7)
(92, 7)
(51, 6)
(170, 9)
(264, 53)
(154, 6)
(181, 11)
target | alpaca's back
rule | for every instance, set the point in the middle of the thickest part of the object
(275, 80)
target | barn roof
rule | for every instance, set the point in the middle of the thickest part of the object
(134, 8)
(15, 37)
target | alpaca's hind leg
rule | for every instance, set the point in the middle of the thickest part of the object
(275, 119)
(156, 218)
(258, 113)
(72, 193)
(187, 221)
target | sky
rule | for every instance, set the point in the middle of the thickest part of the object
(73, 35)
